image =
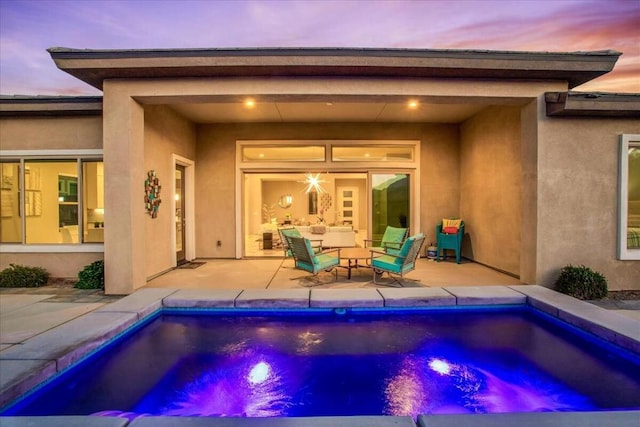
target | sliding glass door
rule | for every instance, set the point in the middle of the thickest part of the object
(391, 202)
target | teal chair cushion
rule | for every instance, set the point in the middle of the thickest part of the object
(324, 261)
(406, 246)
(393, 235)
(291, 232)
(310, 249)
(305, 266)
(392, 264)
(387, 262)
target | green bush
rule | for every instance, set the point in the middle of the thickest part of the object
(91, 276)
(21, 276)
(581, 282)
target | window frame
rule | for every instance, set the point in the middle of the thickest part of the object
(22, 156)
(624, 253)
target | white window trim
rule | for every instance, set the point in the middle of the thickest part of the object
(327, 166)
(51, 248)
(24, 155)
(625, 253)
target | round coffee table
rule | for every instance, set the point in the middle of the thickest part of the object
(353, 255)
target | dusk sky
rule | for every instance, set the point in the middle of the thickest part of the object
(29, 27)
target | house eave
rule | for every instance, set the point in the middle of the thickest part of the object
(96, 66)
(29, 106)
(592, 104)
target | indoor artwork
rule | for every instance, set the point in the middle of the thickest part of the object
(152, 194)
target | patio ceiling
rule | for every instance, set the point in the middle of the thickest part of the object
(288, 112)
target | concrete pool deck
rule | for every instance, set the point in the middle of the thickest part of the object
(37, 357)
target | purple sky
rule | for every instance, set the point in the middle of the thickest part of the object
(29, 27)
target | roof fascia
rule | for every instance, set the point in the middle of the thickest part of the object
(95, 66)
(592, 104)
(29, 106)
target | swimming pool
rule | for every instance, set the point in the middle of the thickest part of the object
(320, 362)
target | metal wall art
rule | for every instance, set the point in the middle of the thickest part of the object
(152, 194)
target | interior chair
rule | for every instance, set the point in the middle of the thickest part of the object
(308, 260)
(316, 244)
(391, 241)
(397, 264)
(449, 235)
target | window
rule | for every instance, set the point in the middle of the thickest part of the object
(372, 153)
(52, 201)
(10, 224)
(629, 198)
(290, 153)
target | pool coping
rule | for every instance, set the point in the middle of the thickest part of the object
(22, 367)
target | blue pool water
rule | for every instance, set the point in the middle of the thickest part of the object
(354, 363)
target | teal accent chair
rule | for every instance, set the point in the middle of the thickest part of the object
(400, 264)
(449, 241)
(306, 259)
(391, 241)
(293, 232)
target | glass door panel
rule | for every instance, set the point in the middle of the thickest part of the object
(179, 217)
(390, 203)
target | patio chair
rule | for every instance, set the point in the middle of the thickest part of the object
(316, 244)
(391, 241)
(400, 264)
(308, 260)
(449, 235)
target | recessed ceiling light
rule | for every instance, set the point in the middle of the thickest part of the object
(329, 104)
(249, 103)
(413, 104)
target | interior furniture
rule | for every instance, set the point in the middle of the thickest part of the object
(397, 264)
(391, 241)
(338, 236)
(316, 244)
(449, 235)
(306, 259)
(352, 256)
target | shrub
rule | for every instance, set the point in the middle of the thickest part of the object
(20, 276)
(581, 282)
(91, 276)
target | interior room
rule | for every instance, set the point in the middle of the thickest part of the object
(281, 200)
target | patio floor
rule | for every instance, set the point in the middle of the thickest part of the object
(270, 273)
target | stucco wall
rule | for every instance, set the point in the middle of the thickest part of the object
(490, 193)
(165, 133)
(51, 133)
(66, 265)
(55, 133)
(215, 171)
(577, 198)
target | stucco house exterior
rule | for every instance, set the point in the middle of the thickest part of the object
(542, 176)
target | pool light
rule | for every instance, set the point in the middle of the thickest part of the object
(259, 373)
(440, 366)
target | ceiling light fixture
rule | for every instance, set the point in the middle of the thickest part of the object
(313, 183)
(249, 103)
(413, 104)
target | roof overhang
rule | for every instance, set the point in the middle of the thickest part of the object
(16, 106)
(592, 104)
(96, 66)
